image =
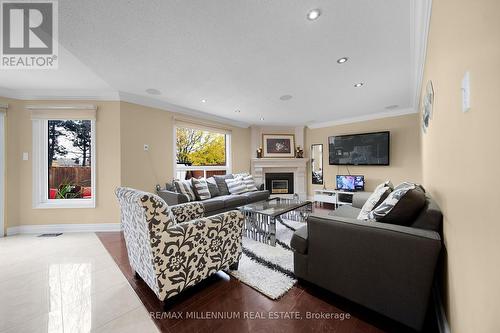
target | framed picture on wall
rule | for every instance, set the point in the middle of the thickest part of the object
(278, 145)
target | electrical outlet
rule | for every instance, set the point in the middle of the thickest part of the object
(146, 147)
(25, 156)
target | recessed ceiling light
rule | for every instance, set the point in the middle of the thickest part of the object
(286, 97)
(203, 100)
(237, 111)
(153, 91)
(360, 84)
(313, 14)
(342, 60)
(261, 118)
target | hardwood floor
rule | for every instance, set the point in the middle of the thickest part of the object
(226, 295)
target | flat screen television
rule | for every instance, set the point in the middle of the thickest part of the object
(359, 149)
(350, 183)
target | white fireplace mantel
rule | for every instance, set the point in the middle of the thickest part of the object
(260, 166)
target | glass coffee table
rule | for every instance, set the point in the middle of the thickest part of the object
(261, 217)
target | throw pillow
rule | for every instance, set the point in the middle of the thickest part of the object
(249, 183)
(387, 183)
(374, 200)
(170, 187)
(240, 175)
(236, 186)
(221, 183)
(200, 188)
(212, 187)
(401, 206)
(185, 187)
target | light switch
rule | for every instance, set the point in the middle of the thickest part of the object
(146, 147)
(25, 156)
(466, 92)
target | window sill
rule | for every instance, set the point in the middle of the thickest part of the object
(65, 203)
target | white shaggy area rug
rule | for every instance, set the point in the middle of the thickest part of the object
(266, 268)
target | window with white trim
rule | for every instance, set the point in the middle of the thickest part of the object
(63, 159)
(201, 151)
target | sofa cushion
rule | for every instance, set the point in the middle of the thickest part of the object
(213, 204)
(378, 196)
(256, 196)
(299, 240)
(232, 201)
(221, 183)
(185, 187)
(200, 188)
(346, 211)
(402, 205)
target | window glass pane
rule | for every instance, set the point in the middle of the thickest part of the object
(69, 144)
(200, 148)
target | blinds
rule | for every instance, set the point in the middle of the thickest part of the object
(205, 126)
(63, 112)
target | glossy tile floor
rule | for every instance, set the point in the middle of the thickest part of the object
(65, 284)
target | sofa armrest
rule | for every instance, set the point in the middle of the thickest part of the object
(388, 268)
(359, 199)
(193, 250)
(188, 211)
(172, 198)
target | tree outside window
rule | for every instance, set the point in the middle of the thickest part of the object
(69, 158)
(200, 153)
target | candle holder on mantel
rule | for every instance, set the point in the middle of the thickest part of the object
(259, 152)
(299, 153)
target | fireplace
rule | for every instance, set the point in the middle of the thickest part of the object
(279, 182)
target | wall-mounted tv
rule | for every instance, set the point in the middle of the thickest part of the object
(359, 149)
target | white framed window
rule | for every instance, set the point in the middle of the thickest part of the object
(201, 151)
(64, 158)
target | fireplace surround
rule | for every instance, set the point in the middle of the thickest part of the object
(296, 166)
(279, 182)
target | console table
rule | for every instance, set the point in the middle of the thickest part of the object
(335, 197)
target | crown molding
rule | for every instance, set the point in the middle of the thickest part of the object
(62, 107)
(60, 94)
(94, 95)
(380, 115)
(420, 32)
(155, 103)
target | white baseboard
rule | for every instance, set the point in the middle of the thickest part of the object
(53, 228)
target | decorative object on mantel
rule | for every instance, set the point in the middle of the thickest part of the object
(299, 152)
(278, 145)
(427, 104)
(259, 152)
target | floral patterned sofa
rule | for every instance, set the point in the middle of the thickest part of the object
(173, 248)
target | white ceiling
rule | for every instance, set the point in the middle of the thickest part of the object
(238, 54)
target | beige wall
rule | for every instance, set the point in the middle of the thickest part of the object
(405, 159)
(461, 156)
(141, 125)
(122, 129)
(144, 125)
(19, 209)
